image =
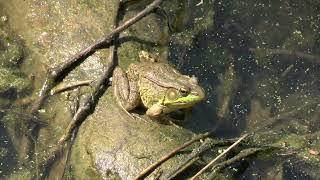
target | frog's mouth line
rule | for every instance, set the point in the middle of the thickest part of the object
(184, 101)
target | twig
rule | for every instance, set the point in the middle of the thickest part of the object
(287, 70)
(201, 2)
(68, 152)
(57, 74)
(100, 87)
(220, 155)
(239, 157)
(274, 119)
(183, 168)
(153, 166)
(47, 162)
(81, 113)
(309, 57)
(208, 143)
(197, 152)
(69, 86)
(90, 99)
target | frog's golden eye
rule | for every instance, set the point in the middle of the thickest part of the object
(171, 94)
(184, 92)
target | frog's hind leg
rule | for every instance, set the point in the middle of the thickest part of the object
(126, 92)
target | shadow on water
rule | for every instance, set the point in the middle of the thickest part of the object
(234, 37)
(229, 37)
(274, 83)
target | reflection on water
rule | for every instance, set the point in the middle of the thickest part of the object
(259, 64)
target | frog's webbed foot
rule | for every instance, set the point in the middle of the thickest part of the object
(125, 91)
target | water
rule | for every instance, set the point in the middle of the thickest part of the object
(249, 64)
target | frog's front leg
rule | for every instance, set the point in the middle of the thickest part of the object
(125, 91)
(155, 110)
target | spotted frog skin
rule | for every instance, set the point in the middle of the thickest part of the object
(155, 85)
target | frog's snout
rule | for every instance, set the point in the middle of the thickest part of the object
(199, 92)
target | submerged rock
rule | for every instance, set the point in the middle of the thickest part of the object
(12, 82)
(11, 53)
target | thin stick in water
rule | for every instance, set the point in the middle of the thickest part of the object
(220, 155)
(153, 166)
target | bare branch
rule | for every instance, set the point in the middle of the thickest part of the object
(308, 57)
(69, 86)
(218, 157)
(57, 74)
(153, 166)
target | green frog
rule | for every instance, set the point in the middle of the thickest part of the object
(155, 85)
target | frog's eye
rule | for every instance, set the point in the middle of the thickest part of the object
(171, 94)
(183, 91)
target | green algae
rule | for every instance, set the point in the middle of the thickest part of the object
(13, 80)
(11, 56)
(186, 25)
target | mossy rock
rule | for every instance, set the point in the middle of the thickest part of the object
(11, 52)
(13, 81)
(112, 144)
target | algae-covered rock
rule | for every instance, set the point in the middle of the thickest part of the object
(11, 53)
(13, 80)
(117, 145)
(11, 56)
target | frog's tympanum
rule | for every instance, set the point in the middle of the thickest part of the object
(156, 85)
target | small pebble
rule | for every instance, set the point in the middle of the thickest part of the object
(313, 152)
(4, 18)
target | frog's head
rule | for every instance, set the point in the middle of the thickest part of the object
(186, 95)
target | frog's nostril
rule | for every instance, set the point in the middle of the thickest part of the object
(195, 93)
(199, 92)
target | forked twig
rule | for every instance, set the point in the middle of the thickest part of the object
(195, 154)
(57, 74)
(89, 100)
(246, 153)
(218, 157)
(84, 110)
(153, 166)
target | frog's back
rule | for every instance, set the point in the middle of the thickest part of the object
(142, 68)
